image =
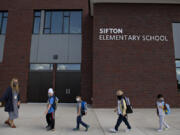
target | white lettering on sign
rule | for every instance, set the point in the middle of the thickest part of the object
(110, 31)
(117, 34)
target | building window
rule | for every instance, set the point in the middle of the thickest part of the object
(68, 67)
(3, 22)
(41, 67)
(178, 73)
(37, 21)
(62, 22)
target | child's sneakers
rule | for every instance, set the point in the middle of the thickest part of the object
(87, 128)
(166, 128)
(127, 130)
(112, 130)
(160, 130)
(75, 129)
(48, 128)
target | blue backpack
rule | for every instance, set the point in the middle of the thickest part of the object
(83, 107)
(167, 109)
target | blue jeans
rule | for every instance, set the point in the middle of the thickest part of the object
(119, 121)
(79, 121)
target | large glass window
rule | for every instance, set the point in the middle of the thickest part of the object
(75, 23)
(37, 21)
(3, 22)
(178, 73)
(62, 22)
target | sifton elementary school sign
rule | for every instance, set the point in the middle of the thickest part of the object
(118, 34)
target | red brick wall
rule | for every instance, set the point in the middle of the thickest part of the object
(141, 69)
(18, 41)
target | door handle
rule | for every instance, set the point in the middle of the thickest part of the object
(68, 91)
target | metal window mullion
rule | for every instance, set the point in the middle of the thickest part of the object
(50, 27)
(42, 22)
(69, 22)
(63, 23)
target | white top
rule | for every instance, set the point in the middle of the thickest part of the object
(160, 110)
(119, 110)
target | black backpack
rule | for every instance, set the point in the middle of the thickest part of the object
(128, 105)
(56, 100)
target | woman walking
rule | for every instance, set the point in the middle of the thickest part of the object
(11, 98)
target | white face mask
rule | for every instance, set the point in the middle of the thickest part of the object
(77, 99)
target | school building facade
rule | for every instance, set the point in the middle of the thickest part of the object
(91, 48)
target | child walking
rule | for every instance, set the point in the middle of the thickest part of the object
(50, 112)
(121, 111)
(81, 111)
(161, 113)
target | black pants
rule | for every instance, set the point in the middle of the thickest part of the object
(119, 121)
(79, 121)
(50, 118)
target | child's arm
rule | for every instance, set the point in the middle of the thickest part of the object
(79, 110)
(49, 106)
(116, 109)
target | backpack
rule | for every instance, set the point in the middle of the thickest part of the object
(56, 100)
(129, 106)
(167, 109)
(83, 108)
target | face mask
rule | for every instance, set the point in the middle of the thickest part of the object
(77, 99)
(14, 84)
(119, 97)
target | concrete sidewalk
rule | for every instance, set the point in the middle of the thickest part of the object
(32, 121)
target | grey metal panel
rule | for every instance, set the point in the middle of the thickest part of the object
(34, 48)
(2, 39)
(66, 46)
(176, 36)
(74, 49)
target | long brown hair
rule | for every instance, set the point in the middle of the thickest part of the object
(17, 86)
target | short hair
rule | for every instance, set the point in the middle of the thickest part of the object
(159, 96)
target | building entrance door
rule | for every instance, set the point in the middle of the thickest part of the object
(68, 79)
(64, 78)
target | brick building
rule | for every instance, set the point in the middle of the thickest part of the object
(91, 48)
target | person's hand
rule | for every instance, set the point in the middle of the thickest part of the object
(46, 112)
(124, 114)
(78, 114)
(115, 110)
(19, 103)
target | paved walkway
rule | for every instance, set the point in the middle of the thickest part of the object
(32, 121)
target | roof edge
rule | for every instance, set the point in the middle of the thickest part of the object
(92, 2)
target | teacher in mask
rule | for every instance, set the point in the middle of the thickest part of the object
(11, 98)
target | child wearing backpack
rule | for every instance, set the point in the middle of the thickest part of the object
(50, 112)
(81, 111)
(161, 108)
(121, 110)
